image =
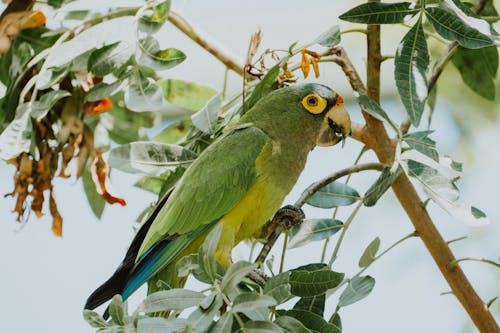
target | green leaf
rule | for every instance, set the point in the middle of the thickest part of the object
(94, 319)
(51, 77)
(291, 325)
(370, 253)
(421, 142)
(249, 303)
(149, 157)
(315, 304)
(224, 324)
(95, 200)
(336, 321)
(234, 274)
(206, 119)
(307, 284)
(265, 86)
(381, 13)
(187, 264)
(261, 327)
(154, 18)
(334, 195)
(108, 58)
(381, 185)
(186, 95)
(279, 287)
(329, 38)
(152, 56)
(162, 183)
(376, 111)
(174, 131)
(451, 27)
(312, 321)
(358, 288)
(16, 138)
(313, 230)
(444, 192)
(40, 108)
(160, 325)
(410, 72)
(478, 69)
(102, 90)
(172, 299)
(201, 319)
(143, 94)
(116, 310)
(206, 253)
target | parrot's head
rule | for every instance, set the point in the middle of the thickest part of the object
(319, 100)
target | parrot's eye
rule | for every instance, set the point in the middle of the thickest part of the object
(314, 103)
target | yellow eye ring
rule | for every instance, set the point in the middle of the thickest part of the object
(314, 104)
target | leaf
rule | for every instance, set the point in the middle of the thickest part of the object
(153, 19)
(206, 119)
(358, 288)
(376, 111)
(370, 253)
(312, 321)
(308, 284)
(51, 77)
(451, 27)
(381, 13)
(187, 95)
(108, 58)
(279, 287)
(265, 86)
(95, 200)
(40, 108)
(94, 319)
(172, 299)
(201, 319)
(149, 157)
(234, 274)
(143, 94)
(261, 327)
(102, 90)
(16, 138)
(315, 304)
(186, 264)
(313, 230)
(152, 56)
(291, 325)
(162, 183)
(116, 310)
(206, 253)
(160, 325)
(334, 195)
(121, 29)
(329, 38)
(224, 324)
(445, 193)
(249, 303)
(410, 72)
(381, 185)
(478, 69)
(421, 142)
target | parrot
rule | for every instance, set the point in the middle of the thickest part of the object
(238, 182)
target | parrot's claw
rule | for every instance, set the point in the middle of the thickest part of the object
(289, 216)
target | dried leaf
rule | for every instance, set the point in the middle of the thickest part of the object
(57, 219)
(100, 171)
(13, 23)
(304, 64)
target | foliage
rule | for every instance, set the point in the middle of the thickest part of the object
(86, 94)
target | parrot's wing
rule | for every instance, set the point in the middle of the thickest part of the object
(212, 185)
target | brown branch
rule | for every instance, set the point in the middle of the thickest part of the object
(17, 6)
(183, 25)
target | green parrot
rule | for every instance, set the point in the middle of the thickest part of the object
(238, 182)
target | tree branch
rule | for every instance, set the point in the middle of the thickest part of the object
(183, 25)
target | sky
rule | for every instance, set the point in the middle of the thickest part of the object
(46, 280)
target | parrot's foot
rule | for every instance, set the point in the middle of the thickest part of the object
(258, 277)
(289, 216)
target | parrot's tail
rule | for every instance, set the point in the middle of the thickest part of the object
(120, 278)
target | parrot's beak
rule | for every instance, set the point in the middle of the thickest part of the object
(336, 126)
